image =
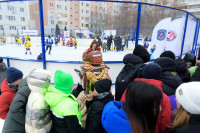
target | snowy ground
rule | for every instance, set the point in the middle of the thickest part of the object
(59, 53)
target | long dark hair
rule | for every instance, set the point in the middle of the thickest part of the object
(142, 106)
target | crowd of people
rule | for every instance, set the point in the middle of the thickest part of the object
(162, 96)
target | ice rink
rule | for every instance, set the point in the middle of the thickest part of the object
(61, 53)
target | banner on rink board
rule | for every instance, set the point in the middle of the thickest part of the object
(28, 32)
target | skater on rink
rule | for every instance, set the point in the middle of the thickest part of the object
(23, 40)
(75, 43)
(28, 45)
(19, 41)
(56, 40)
(4, 40)
(49, 43)
(27, 36)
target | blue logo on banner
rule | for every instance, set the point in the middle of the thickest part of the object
(161, 34)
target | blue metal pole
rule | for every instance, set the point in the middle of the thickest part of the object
(42, 34)
(195, 36)
(138, 24)
(186, 20)
(8, 63)
(3, 32)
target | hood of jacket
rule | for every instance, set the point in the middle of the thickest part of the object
(3, 67)
(133, 59)
(166, 63)
(180, 66)
(171, 79)
(5, 87)
(114, 113)
(39, 80)
(104, 97)
(154, 82)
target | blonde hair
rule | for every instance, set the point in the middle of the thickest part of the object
(181, 118)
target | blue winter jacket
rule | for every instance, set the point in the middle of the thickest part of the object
(114, 118)
(56, 39)
(49, 41)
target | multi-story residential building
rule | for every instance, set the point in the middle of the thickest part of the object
(14, 16)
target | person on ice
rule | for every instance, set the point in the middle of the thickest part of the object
(49, 43)
(9, 88)
(95, 103)
(19, 41)
(56, 40)
(66, 113)
(4, 40)
(71, 42)
(28, 37)
(23, 40)
(3, 69)
(75, 43)
(68, 43)
(28, 45)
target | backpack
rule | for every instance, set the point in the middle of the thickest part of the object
(127, 74)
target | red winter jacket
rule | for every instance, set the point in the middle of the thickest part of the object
(6, 99)
(165, 117)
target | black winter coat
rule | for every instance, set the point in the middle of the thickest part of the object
(60, 125)
(196, 75)
(95, 107)
(15, 120)
(128, 73)
(182, 70)
(193, 127)
(171, 81)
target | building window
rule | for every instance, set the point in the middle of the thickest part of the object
(76, 26)
(76, 19)
(82, 11)
(60, 22)
(59, 6)
(12, 27)
(0, 17)
(82, 3)
(10, 8)
(87, 18)
(76, 12)
(87, 25)
(23, 19)
(21, 9)
(0, 7)
(76, 5)
(82, 24)
(92, 6)
(66, 15)
(82, 18)
(65, 7)
(52, 21)
(11, 18)
(23, 28)
(51, 5)
(65, 23)
(71, 22)
(1, 27)
(87, 5)
(87, 11)
(70, 15)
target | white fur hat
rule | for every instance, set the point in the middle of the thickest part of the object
(188, 95)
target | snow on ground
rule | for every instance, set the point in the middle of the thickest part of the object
(1, 124)
(59, 53)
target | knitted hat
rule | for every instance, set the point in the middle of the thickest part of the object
(1, 60)
(152, 71)
(166, 63)
(188, 95)
(169, 54)
(63, 81)
(190, 58)
(142, 53)
(103, 85)
(13, 74)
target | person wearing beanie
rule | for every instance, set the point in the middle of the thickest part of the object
(187, 115)
(95, 103)
(182, 70)
(151, 74)
(170, 78)
(190, 60)
(3, 69)
(66, 113)
(133, 65)
(169, 54)
(9, 88)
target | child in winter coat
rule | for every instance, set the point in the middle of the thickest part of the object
(75, 43)
(38, 115)
(68, 43)
(66, 114)
(187, 115)
(56, 40)
(19, 41)
(28, 45)
(49, 43)
(2, 72)
(9, 89)
(23, 40)
(95, 104)
(71, 42)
